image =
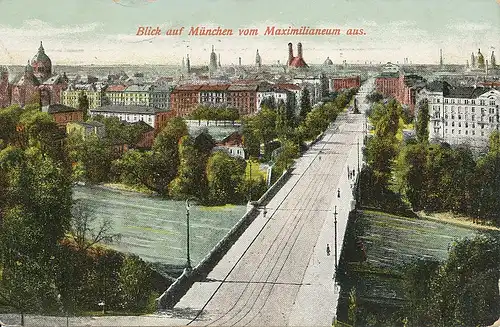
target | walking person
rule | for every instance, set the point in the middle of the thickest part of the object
(328, 249)
(338, 193)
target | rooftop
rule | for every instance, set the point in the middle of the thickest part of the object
(138, 88)
(56, 108)
(131, 109)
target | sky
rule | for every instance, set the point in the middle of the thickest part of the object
(103, 32)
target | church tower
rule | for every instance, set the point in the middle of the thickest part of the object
(258, 60)
(212, 66)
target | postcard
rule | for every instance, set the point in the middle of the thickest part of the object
(250, 163)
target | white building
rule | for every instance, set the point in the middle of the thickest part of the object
(130, 114)
(140, 95)
(461, 114)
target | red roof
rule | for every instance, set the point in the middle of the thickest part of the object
(298, 62)
(116, 88)
(188, 87)
(214, 87)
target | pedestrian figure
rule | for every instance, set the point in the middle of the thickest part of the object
(265, 211)
(353, 173)
(328, 249)
(348, 170)
(338, 193)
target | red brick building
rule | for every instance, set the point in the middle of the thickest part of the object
(243, 98)
(63, 114)
(402, 88)
(340, 83)
(184, 99)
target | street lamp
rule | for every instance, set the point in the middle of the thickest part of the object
(188, 262)
(335, 233)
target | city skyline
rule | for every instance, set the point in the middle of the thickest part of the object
(102, 32)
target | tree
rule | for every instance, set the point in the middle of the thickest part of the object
(165, 154)
(135, 283)
(35, 217)
(250, 138)
(86, 230)
(191, 179)
(462, 291)
(91, 158)
(305, 103)
(9, 120)
(225, 174)
(83, 104)
(422, 126)
(285, 159)
(410, 174)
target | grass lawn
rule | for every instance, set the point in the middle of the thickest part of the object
(256, 172)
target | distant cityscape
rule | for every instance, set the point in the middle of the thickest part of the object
(463, 99)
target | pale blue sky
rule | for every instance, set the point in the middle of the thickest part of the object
(102, 31)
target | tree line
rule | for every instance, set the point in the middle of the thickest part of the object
(425, 176)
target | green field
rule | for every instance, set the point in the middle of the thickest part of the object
(256, 173)
(390, 243)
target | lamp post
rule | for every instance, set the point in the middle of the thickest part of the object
(188, 262)
(251, 184)
(335, 233)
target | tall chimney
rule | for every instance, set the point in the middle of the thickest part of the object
(290, 53)
(239, 61)
(299, 50)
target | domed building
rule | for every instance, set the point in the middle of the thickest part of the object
(328, 62)
(41, 63)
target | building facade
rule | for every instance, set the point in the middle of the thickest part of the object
(461, 114)
(341, 83)
(70, 96)
(129, 114)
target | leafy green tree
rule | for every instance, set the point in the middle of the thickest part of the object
(191, 179)
(165, 154)
(92, 158)
(410, 174)
(250, 137)
(225, 175)
(462, 291)
(9, 120)
(285, 159)
(135, 283)
(305, 104)
(422, 125)
(35, 217)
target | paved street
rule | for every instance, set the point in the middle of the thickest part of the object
(278, 273)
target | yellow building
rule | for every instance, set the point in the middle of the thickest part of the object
(69, 97)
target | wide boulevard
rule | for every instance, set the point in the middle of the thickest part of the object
(279, 273)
